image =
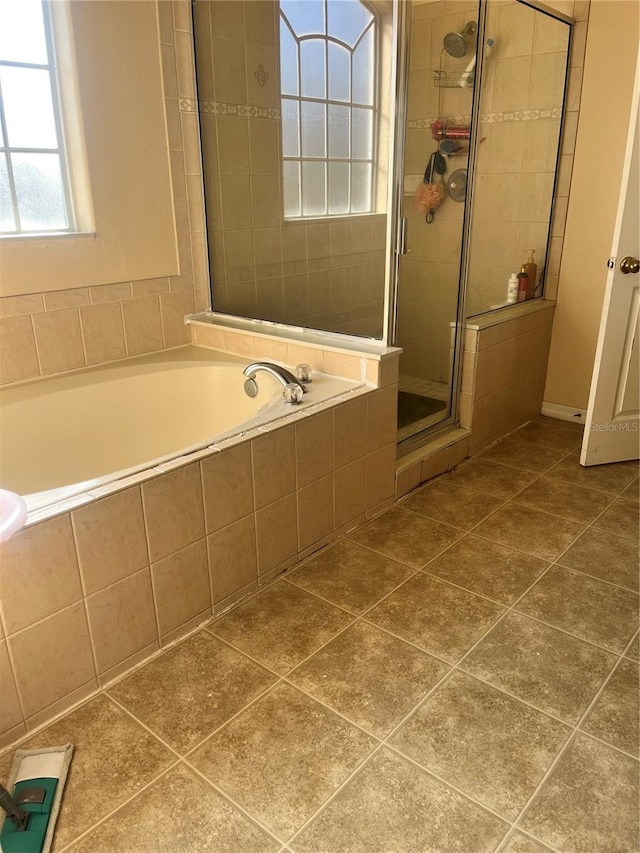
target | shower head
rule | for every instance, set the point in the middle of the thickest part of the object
(456, 44)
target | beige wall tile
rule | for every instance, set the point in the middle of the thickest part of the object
(227, 19)
(14, 306)
(39, 573)
(407, 479)
(265, 203)
(314, 447)
(52, 658)
(350, 425)
(57, 300)
(484, 372)
(173, 510)
(305, 355)
(436, 464)
(233, 562)
(181, 587)
(18, 358)
(184, 63)
(259, 26)
(229, 78)
(233, 145)
(228, 486)
(110, 292)
(142, 325)
(169, 70)
(174, 307)
(338, 364)
(149, 286)
(122, 619)
(274, 465)
(103, 332)
(239, 344)
(208, 337)
(10, 711)
(237, 203)
(481, 431)
(350, 492)
(59, 340)
(381, 475)
(110, 538)
(277, 533)
(315, 512)
(382, 417)
(191, 143)
(262, 75)
(466, 405)
(263, 141)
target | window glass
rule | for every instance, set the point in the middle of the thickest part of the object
(39, 191)
(28, 107)
(339, 72)
(329, 114)
(312, 59)
(34, 194)
(347, 21)
(22, 34)
(288, 61)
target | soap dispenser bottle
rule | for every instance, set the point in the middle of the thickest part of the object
(523, 284)
(531, 269)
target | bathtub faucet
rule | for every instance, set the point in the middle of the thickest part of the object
(292, 388)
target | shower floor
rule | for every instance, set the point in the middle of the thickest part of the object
(414, 417)
(459, 674)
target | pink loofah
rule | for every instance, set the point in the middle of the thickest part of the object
(428, 197)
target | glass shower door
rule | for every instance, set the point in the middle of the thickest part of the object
(437, 132)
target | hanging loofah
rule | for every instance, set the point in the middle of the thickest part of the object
(428, 197)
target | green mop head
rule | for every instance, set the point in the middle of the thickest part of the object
(35, 786)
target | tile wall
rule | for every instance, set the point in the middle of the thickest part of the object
(515, 167)
(516, 142)
(504, 371)
(44, 333)
(503, 375)
(89, 593)
(429, 273)
(325, 275)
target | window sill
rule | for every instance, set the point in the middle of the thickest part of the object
(42, 236)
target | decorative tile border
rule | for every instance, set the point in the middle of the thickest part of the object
(222, 108)
(490, 118)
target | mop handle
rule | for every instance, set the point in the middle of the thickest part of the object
(14, 813)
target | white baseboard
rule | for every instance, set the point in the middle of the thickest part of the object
(564, 413)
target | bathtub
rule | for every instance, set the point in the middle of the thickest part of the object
(76, 432)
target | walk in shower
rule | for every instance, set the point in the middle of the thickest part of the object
(378, 169)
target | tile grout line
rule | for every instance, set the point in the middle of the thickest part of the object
(572, 737)
(126, 802)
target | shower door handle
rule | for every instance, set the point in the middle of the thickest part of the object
(402, 237)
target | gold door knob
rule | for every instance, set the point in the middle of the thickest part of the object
(629, 264)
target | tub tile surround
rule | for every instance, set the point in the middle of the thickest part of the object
(52, 332)
(120, 577)
(333, 716)
(503, 374)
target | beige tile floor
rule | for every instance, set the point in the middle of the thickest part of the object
(460, 674)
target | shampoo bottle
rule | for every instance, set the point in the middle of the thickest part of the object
(512, 289)
(523, 284)
(531, 269)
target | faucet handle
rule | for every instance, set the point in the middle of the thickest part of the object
(292, 393)
(303, 372)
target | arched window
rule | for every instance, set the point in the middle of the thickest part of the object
(328, 88)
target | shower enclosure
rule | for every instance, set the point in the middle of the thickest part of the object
(379, 169)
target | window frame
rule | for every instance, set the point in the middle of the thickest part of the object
(52, 67)
(374, 107)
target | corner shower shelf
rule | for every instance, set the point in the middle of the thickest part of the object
(442, 81)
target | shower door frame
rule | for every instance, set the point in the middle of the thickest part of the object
(398, 248)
